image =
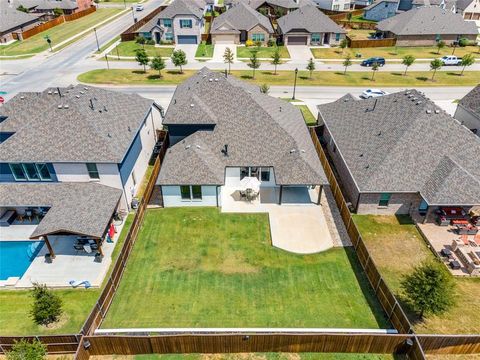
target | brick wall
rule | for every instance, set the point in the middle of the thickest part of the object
(399, 204)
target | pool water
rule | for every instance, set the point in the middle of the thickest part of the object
(16, 257)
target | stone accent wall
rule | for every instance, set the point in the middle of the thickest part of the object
(400, 204)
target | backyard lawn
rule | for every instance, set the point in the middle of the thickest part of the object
(319, 78)
(389, 237)
(127, 48)
(426, 52)
(307, 115)
(57, 34)
(262, 52)
(197, 267)
(204, 50)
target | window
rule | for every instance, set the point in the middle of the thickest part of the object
(346, 6)
(337, 37)
(185, 192)
(316, 38)
(186, 24)
(336, 7)
(17, 171)
(169, 36)
(167, 22)
(258, 37)
(384, 199)
(196, 192)
(92, 171)
(43, 172)
(438, 38)
(254, 172)
(244, 171)
(31, 171)
(265, 175)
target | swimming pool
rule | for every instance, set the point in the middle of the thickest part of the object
(16, 257)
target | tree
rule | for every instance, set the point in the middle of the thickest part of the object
(179, 58)
(343, 44)
(142, 58)
(311, 66)
(429, 289)
(228, 57)
(276, 59)
(375, 67)
(467, 60)
(407, 60)
(158, 64)
(435, 65)
(347, 62)
(57, 12)
(264, 88)
(440, 45)
(140, 40)
(24, 350)
(47, 306)
(254, 63)
(22, 9)
(349, 16)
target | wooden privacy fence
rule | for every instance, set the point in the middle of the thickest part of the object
(361, 25)
(450, 344)
(366, 43)
(335, 15)
(57, 21)
(106, 297)
(132, 31)
(385, 296)
(56, 344)
(244, 343)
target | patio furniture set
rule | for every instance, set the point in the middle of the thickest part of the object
(88, 245)
(22, 215)
(250, 188)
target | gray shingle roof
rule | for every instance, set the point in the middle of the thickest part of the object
(183, 7)
(471, 101)
(240, 17)
(311, 19)
(463, 4)
(80, 208)
(45, 4)
(259, 130)
(81, 134)
(404, 143)
(428, 20)
(11, 18)
(287, 4)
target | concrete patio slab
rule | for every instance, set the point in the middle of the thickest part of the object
(299, 53)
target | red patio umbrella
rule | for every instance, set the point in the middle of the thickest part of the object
(111, 231)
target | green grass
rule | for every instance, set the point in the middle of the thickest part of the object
(57, 34)
(397, 247)
(319, 78)
(360, 18)
(128, 48)
(420, 52)
(307, 115)
(196, 267)
(262, 52)
(15, 305)
(252, 356)
(104, 47)
(204, 50)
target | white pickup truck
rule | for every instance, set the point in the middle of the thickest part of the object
(451, 60)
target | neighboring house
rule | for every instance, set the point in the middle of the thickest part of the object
(239, 24)
(309, 26)
(401, 154)
(468, 110)
(425, 26)
(381, 10)
(78, 134)
(449, 5)
(275, 8)
(47, 6)
(469, 9)
(14, 22)
(335, 5)
(181, 23)
(221, 130)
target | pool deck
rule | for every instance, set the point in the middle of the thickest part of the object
(69, 264)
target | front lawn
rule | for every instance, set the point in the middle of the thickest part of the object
(262, 52)
(319, 78)
(197, 267)
(128, 48)
(57, 34)
(397, 246)
(307, 115)
(204, 50)
(421, 52)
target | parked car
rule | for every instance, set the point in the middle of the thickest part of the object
(451, 60)
(139, 7)
(371, 93)
(370, 61)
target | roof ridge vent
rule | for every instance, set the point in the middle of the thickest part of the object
(187, 147)
(419, 102)
(49, 92)
(210, 80)
(428, 111)
(66, 106)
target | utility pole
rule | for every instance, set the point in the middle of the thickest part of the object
(118, 55)
(133, 15)
(108, 65)
(96, 37)
(295, 83)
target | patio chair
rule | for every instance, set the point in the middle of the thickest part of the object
(243, 195)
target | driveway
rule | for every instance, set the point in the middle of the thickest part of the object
(190, 50)
(299, 53)
(219, 50)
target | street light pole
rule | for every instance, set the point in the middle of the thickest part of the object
(125, 3)
(295, 83)
(133, 15)
(118, 55)
(108, 65)
(96, 37)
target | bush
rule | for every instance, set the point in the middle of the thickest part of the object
(47, 306)
(150, 42)
(57, 12)
(463, 42)
(140, 40)
(249, 43)
(24, 350)
(271, 42)
(166, 42)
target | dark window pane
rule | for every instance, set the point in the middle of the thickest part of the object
(265, 175)
(31, 171)
(384, 199)
(43, 171)
(185, 192)
(93, 171)
(17, 171)
(196, 192)
(243, 172)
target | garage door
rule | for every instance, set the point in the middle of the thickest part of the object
(297, 40)
(186, 39)
(224, 39)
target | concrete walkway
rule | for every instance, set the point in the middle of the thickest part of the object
(190, 50)
(299, 53)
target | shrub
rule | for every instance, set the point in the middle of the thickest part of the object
(249, 43)
(57, 12)
(264, 88)
(24, 350)
(22, 9)
(463, 42)
(271, 42)
(140, 40)
(150, 42)
(166, 42)
(47, 306)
